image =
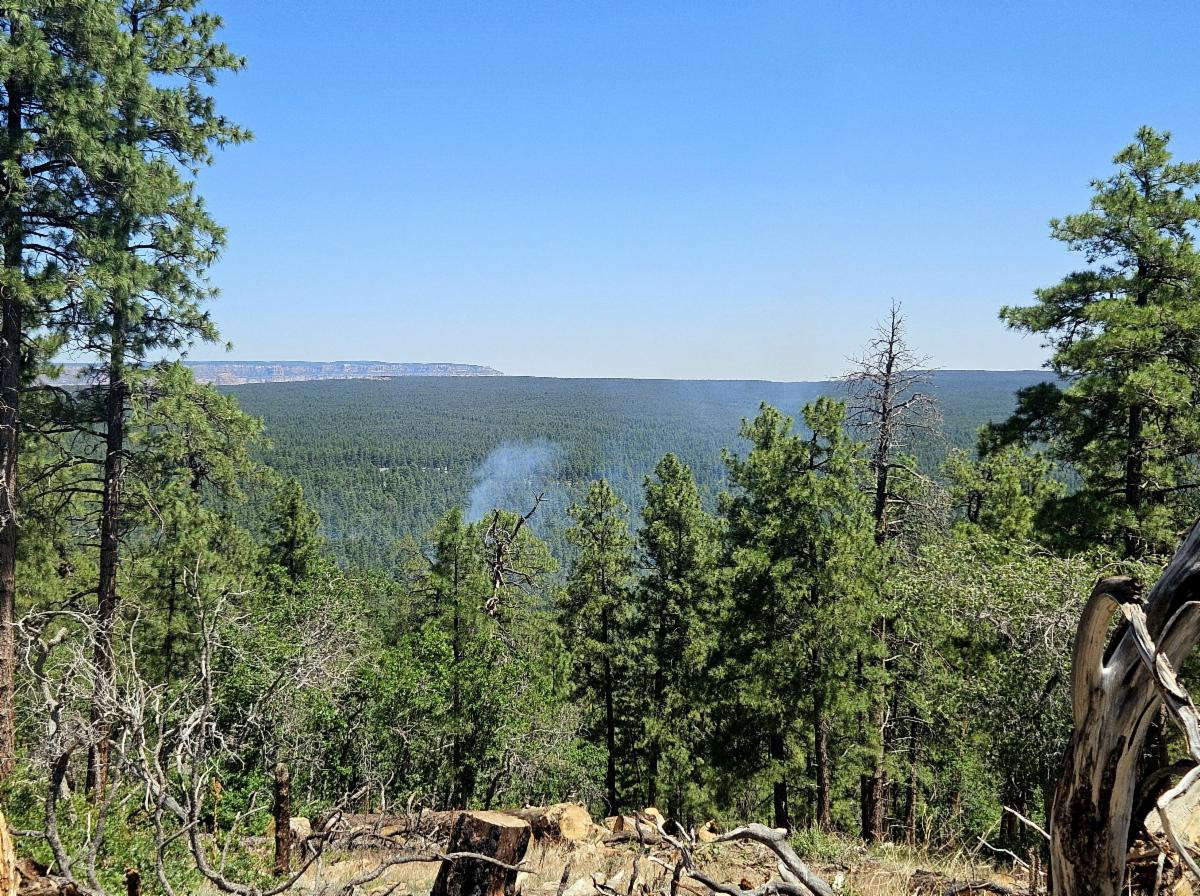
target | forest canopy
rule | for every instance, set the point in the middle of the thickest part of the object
(844, 610)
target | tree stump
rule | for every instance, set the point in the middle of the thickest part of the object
(9, 878)
(493, 834)
(1114, 698)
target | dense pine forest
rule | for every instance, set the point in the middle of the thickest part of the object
(845, 622)
(384, 459)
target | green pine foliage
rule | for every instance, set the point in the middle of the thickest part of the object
(674, 613)
(732, 634)
(1125, 332)
(801, 552)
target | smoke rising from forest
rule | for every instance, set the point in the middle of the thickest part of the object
(512, 476)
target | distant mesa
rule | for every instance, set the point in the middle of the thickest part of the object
(237, 373)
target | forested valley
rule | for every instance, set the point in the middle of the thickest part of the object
(843, 623)
(384, 459)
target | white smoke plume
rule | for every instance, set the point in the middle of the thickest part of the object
(512, 476)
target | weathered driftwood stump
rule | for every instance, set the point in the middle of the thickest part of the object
(501, 837)
(1118, 683)
(8, 861)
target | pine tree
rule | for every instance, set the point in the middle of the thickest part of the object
(60, 76)
(672, 614)
(1003, 492)
(801, 546)
(293, 545)
(1125, 332)
(593, 609)
(458, 586)
(148, 240)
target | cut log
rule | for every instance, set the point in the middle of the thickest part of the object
(497, 835)
(364, 829)
(562, 821)
(632, 829)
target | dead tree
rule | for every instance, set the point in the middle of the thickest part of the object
(887, 405)
(795, 877)
(502, 553)
(1118, 683)
(282, 810)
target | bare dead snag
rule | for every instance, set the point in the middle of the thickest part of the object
(283, 820)
(1117, 685)
(502, 554)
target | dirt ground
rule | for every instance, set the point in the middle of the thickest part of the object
(625, 869)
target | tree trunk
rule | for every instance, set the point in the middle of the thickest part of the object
(610, 718)
(108, 599)
(282, 810)
(9, 877)
(1114, 700)
(874, 785)
(494, 834)
(779, 792)
(910, 793)
(821, 761)
(1134, 486)
(11, 337)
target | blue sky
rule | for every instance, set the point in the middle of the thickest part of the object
(725, 190)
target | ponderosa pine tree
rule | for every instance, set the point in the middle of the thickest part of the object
(594, 606)
(149, 239)
(57, 71)
(1125, 332)
(190, 466)
(801, 547)
(293, 544)
(673, 612)
(1002, 492)
(458, 588)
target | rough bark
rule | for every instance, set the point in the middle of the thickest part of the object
(821, 761)
(1115, 697)
(108, 599)
(9, 878)
(282, 811)
(11, 337)
(494, 834)
(779, 791)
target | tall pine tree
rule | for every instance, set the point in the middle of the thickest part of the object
(673, 611)
(594, 609)
(1125, 332)
(801, 544)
